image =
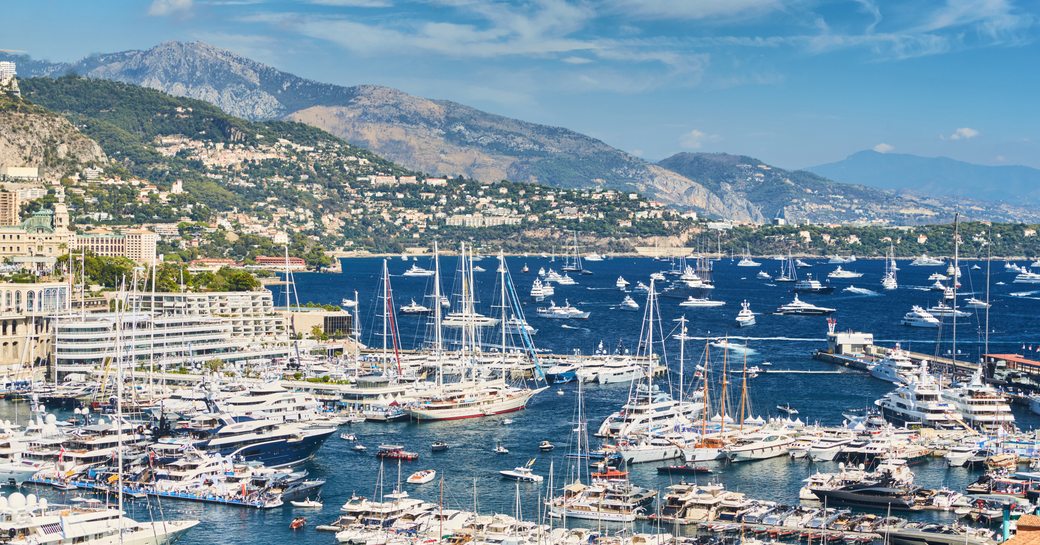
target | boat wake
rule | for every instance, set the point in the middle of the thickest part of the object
(860, 291)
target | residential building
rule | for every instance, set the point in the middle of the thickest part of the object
(9, 208)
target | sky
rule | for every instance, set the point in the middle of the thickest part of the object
(794, 83)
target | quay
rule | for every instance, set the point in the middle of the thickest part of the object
(857, 350)
(775, 531)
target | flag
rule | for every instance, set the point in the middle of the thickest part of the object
(61, 454)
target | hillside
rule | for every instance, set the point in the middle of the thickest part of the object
(241, 183)
(31, 136)
(936, 176)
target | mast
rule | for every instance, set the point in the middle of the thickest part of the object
(989, 260)
(502, 278)
(704, 384)
(438, 343)
(682, 356)
(385, 318)
(722, 398)
(743, 389)
(119, 409)
(357, 335)
(956, 282)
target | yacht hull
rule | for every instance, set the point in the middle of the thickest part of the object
(512, 404)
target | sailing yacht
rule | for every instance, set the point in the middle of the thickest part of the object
(788, 271)
(745, 318)
(746, 261)
(573, 260)
(888, 281)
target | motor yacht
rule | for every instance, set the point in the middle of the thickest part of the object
(841, 260)
(924, 261)
(621, 283)
(759, 445)
(416, 270)
(973, 302)
(628, 303)
(471, 318)
(896, 367)
(647, 410)
(799, 307)
(981, 406)
(565, 312)
(273, 443)
(471, 399)
(840, 273)
(602, 501)
(942, 309)
(746, 261)
(1027, 277)
(919, 317)
(920, 403)
(811, 285)
(701, 302)
(522, 473)
(541, 290)
(745, 317)
(415, 308)
(763, 275)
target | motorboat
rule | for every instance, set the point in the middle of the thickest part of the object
(561, 373)
(422, 477)
(439, 446)
(942, 309)
(973, 302)
(416, 270)
(621, 283)
(924, 261)
(1027, 277)
(745, 317)
(499, 449)
(920, 403)
(859, 291)
(840, 273)
(763, 275)
(802, 264)
(938, 276)
(628, 303)
(307, 504)
(523, 473)
(758, 445)
(799, 307)
(811, 285)
(518, 326)
(565, 312)
(787, 408)
(469, 318)
(641, 287)
(545, 446)
(415, 308)
(701, 302)
(919, 317)
(896, 367)
(347, 303)
(541, 290)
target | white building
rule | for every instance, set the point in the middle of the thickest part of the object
(250, 314)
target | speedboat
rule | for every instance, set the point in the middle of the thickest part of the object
(422, 477)
(621, 282)
(545, 446)
(499, 449)
(841, 273)
(745, 317)
(522, 473)
(799, 307)
(307, 504)
(416, 270)
(919, 317)
(628, 303)
(439, 446)
(566, 312)
(415, 308)
(697, 302)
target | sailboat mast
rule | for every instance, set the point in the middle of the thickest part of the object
(437, 316)
(722, 398)
(682, 356)
(743, 389)
(956, 282)
(502, 278)
(386, 318)
(989, 260)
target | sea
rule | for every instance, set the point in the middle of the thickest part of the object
(776, 343)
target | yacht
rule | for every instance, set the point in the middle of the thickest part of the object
(347, 303)
(415, 308)
(522, 473)
(273, 443)
(981, 406)
(801, 264)
(561, 373)
(1027, 277)
(698, 302)
(811, 285)
(515, 326)
(825, 449)
(628, 303)
(841, 260)
(615, 370)
(541, 290)
(603, 501)
(471, 399)
(566, 280)
(889, 281)
(641, 287)
(937, 276)
(468, 319)
(271, 402)
(840, 273)
(942, 309)
(26, 519)
(919, 317)
(647, 410)
(896, 367)
(920, 404)
(763, 275)
(924, 261)
(759, 445)
(746, 261)
(566, 312)
(621, 283)
(973, 302)
(799, 307)
(745, 317)
(416, 270)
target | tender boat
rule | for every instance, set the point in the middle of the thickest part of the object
(787, 408)
(499, 449)
(307, 504)
(422, 477)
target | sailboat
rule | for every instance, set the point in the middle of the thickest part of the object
(573, 260)
(889, 282)
(788, 270)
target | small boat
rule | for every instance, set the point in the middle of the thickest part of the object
(524, 269)
(307, 503)
(522, 473)
(347, 303)
(684, 469)
(628, 303)
(787, 408)
(360, 448)
(621, 282)
(499, 449)
(641, 287)
(396, 452)
(507, 421)
(297, 523)
(763, 275)
(545, 446)
(422, 477)
(439, 446)
(348, 437)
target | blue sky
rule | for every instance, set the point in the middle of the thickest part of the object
(794, 83)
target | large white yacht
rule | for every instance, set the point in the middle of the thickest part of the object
(981, 406)
(896, 367)
(26, 520)
(919, 317)
(540, 290)
(745, 318)
(416, 270)
(273, 402)
(801, 307)
(759, 445)
(647, 410)
(840, 273)
(919, 404)
(942, 309)
(924, 261)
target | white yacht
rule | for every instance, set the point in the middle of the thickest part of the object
(468, 319)
(272, 402)
(919, 403)
(522, 473)
(746, 261)
(698, 302)
(415, 308)
(973, 302)
(763, 275)
(799, 307)
(840, 273)
(811, 285)
(745, 317)
(615, 370)
(26, 519)
(919, 317)
(641, 287)
(541, 290)
(416, 270)
(759, 445)
(981, 406)
(896, 367)
(604, 501)
(889, 282)
(628, 303)
(566, 312)
(942, 309)
(825, 449)
(566, 280)
(924, 261)
(841, 260)
(621, 282)
(938, 276)
(648, 410)
(1027, 277)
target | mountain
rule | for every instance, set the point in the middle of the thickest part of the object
(936, 176)
(34, 137)
(446, 138)
(799, 195)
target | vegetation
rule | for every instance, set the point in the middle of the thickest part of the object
(116, 272)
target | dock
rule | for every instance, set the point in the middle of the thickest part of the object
(775, 531)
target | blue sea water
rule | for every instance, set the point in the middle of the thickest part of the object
(470, 467)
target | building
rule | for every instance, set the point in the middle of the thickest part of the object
(250, 314)
(8, 71)
(336, 324)
(210, 264)
(166, 341)
(10, 211)
(38, 240)
(27, 315)
(137, 245)
(19, 173)
(280, 263)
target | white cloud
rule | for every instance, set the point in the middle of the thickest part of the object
(576, 60)
(964, 133)
(696, 138)
(161, 8)
(353, 3)
(884, 148)
(694, 9)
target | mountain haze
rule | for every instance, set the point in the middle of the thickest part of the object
(939, 176)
